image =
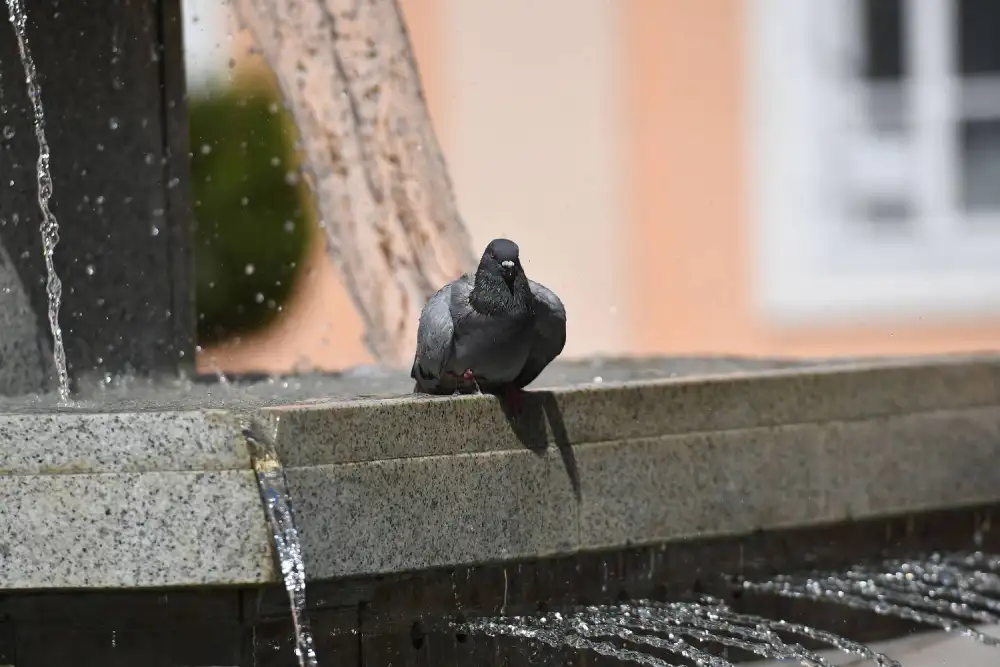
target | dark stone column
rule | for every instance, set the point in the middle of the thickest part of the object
(112, 84)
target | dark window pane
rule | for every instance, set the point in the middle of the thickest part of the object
(883, 38)
(978, 36)
(980, 145)
(887, 215)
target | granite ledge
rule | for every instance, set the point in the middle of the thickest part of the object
(41, 443)
(414, 426)
(167, 498)
(145, 435)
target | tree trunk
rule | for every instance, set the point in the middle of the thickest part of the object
(346, 69)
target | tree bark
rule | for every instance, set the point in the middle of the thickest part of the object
(347, 71)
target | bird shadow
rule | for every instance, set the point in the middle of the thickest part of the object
(539, 414)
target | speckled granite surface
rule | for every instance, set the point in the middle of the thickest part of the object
(132, 530)
(164, 495)
(63, 443)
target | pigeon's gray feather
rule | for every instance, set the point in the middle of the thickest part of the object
(435, 338)
(549, 333)
(494, 347)
(497, 325)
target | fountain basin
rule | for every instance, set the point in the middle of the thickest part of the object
(390, 485)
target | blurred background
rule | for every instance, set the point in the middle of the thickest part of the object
(751, 177)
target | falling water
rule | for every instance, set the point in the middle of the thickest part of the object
(949, 591)
(632, 632)
(49, 226)
(278, 507)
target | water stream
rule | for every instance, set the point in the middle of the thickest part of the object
(49, 224)
(278, 508)
(638, 632)
(950, 591)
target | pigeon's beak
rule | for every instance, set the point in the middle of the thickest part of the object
(507, 268)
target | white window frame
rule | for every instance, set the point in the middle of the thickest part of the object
(808, 270)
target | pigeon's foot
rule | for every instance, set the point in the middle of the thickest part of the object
(466, 382)
(468, 376)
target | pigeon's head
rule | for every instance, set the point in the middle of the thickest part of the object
(501, 257)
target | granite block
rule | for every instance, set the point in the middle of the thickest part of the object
(672, 487)
(407, 514)
(935, 459)
(326, 433)
(50, 443)
(132, 530)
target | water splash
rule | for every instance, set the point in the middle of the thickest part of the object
(49, 225)
(278, 507)
(948, 591)
(631, 632)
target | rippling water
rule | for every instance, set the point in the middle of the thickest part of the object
(950, 591)
(641, 632)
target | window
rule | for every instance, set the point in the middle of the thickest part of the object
(875, 157)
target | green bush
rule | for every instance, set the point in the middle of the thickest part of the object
(252, 226)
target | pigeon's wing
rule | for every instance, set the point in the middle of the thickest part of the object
(435, 337)
(549, 333)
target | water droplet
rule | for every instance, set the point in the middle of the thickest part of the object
(273, 107)
(100, 148)
(149, 159)
(291, 177)
(155, 231)
(244, 201)
(259, 298)
(100, 200)
(90, 269)
(205, 149)
(113, 123)
(8, 131)
(289, 226)
(249, 269)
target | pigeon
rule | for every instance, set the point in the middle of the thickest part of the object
(491, 332)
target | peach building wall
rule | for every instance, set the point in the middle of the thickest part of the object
(609, 139)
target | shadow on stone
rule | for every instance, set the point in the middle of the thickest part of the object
(540, 413)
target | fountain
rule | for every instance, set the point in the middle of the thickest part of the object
(682, 511)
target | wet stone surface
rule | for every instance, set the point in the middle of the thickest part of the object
(130, 393)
